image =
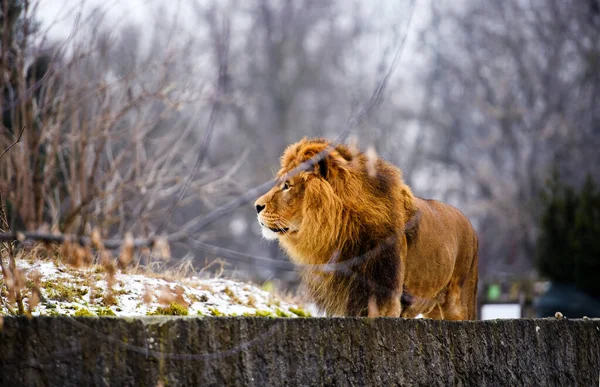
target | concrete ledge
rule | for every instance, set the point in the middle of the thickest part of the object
(66, 351)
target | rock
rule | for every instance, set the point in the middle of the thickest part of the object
(173, 351)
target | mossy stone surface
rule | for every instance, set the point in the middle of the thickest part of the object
(258, 351)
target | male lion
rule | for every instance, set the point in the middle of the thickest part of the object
(364, 245)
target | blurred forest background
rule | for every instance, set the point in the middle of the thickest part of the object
(152, 117)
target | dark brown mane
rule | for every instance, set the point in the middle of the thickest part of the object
(411, 228)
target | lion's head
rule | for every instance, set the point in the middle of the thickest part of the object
(316, 210)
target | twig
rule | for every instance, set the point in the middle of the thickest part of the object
(114, 244)
(16, 141)
(368, 107)
(198, 225)
(244, 257)
(222, 56)
(11, 271)
(110, 244)
(377, 96)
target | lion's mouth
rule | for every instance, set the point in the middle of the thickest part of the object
(280, 230)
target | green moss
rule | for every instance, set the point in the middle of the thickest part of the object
(259, 313)
(281, 313)
(171, 310)
(105, 312)
(215, 312)
(299, 312)
(53, 313)
(268, 313)
(199, 313)
(83, 312)
(60, 292)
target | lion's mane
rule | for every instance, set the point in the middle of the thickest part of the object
(367, 246)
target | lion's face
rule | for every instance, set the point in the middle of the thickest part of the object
(280, 209)
(303, 210)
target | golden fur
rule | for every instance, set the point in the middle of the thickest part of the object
(363, 243)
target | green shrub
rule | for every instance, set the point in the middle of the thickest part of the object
(568, 247)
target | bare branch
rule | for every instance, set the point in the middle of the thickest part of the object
(16, 141)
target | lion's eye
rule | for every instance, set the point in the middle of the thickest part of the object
(286, 186)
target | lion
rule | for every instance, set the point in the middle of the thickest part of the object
(364, 245)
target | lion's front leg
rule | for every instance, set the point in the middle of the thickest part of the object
(388, 281)
(372, 308)
(394, 308)
(391, 307)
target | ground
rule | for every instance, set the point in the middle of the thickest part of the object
(83, 292)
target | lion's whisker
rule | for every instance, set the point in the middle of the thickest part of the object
(286, 224)
(284, 230)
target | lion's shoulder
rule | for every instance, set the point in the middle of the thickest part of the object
(434, 220)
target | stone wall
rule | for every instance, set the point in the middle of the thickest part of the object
(66, 351)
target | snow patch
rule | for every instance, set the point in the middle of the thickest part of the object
(206, 297)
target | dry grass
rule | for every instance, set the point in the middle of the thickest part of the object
(97, 143)
(77, 138)
(80, 283)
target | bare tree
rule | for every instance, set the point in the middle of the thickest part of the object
(512, 92)
(109, 141)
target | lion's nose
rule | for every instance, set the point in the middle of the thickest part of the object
(259, 208)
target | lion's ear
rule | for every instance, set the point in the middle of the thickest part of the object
(330, 165)
(327, 166)
(323, 168)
